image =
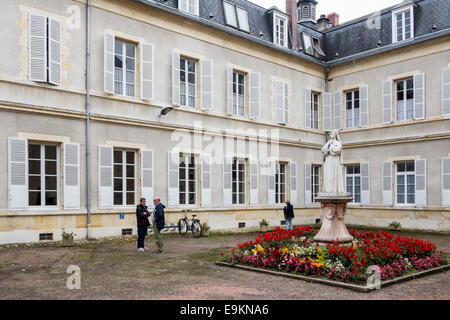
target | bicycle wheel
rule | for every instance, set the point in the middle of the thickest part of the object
(182, 227)
(196, 229)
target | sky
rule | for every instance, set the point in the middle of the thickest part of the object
(347, 9)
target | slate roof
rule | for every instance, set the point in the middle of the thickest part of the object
(352, 39)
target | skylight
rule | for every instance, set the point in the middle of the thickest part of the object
(243, 19)
(236, 17)
(230, 14)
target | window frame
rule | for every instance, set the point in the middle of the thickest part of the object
(314, 48)
(189, 157)
(235, 169)
(236, 88)
(405, 100)
(276, 34)
(405, 174)
(314, 93)
(315, 188)
(238, 20)
(353, 176)
(394, 20)
(195, 4)
(124, 67)
(278, 183)
(353, 100)
(124, 177)
(186, 83)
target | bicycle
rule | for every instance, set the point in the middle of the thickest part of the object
(193, 225)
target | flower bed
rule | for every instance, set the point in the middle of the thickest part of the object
(296, 252)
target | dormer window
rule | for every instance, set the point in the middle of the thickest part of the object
(311, 46)
(189, 6)
(236, 17)
(280, 30)
(403, 24)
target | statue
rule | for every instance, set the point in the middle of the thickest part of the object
(333, 180)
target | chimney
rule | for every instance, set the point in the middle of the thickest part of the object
(291, 10)
(322, 23)
(334, 18)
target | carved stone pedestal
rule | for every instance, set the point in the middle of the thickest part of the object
(334, 207)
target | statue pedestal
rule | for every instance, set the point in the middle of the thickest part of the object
(334, 207)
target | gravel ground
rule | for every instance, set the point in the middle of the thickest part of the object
(112, 269)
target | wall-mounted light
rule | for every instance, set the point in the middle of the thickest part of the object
(164, 111)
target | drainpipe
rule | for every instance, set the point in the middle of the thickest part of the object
(88, 115)
(326, 90)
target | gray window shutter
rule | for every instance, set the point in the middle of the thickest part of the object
(229, 90)
(147, 71)
(446, 92)
(387, 183)
(105, 177)
(294, 192)
(173, 164)
(71, 176)
(446, 182)
(255, 94)
(327, 111)
(17, 173)
(279, 102)
(206, 85)
(147, 175)
(365, 183)
(227, 179)
(421, 182)
(55, 52)
(307, 106)
(37, 47)
(308, 191)
(419, 96)
(109, 62)
(337, 110)
(176, 79)
(206, 181)
(271, 183)
(254, 180)
(364, 105)
(387, 101)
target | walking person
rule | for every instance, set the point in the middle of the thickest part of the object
(142, 216)
(159, 222)
(289, 215)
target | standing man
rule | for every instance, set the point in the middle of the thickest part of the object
(142, 216)
(289, 215)
(158, 223)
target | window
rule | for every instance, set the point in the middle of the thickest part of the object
(315, 182)
(352, 109)
(236, 17)
(307, 45)
(314, 110)
(405, 99)
(188, 83)
(187, 180)
(124, 68)
(243, 19)
(124, 177)
(189, 6)
(305, 13)
(43, 175)
(280, 182)
(238, 94)
(405, 182)
(230, 14)
(311, 46)
(238, 181)
(403, 25)
(353, 179)
(280, 31)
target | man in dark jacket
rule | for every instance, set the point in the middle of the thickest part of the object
(158, 223)
(289, 215)
(142, 216)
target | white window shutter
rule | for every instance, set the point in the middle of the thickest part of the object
(37, 47)
(364, 105)
(308, 191)
(286, 102)
(55, 52)
(183, 5)
(419, 96)
(307, 106)
(387, 101)
(206, 181)
(279, 102)
(147, 175)
(254, 181)
(337, 110)
(365, 183)
(227, 181)
(17, 173)
(271, 183)
(206, 85)
(175, 78)
(147, 71)
(446, 92)
(327, 111)
(255, 94)
(421, 182)
(105, 177)
(446, 182)
(229, 90)
(72, 191)
(196, 7)
(294, 192)
(173, 164)
(387, 183)
(109, 62)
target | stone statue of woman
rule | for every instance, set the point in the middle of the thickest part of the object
(333, 180)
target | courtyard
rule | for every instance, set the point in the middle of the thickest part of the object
(112, 269)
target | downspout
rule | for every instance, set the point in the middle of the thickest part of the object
(327, 71)
(88, 115)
